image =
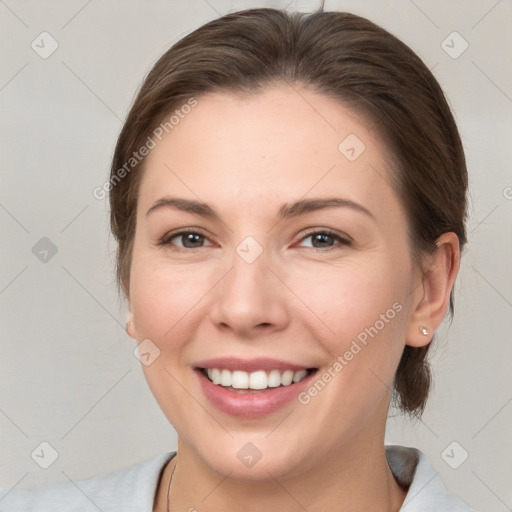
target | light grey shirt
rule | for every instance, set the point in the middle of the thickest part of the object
(134, 489)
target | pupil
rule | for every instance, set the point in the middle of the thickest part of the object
(321, 237)
(192, 238)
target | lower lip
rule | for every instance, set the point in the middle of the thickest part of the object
(251, 404)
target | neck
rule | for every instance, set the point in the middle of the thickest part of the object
(353, 480)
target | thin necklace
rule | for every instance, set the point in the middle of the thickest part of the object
(169, 489)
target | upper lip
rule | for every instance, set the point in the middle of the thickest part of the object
(250, 365)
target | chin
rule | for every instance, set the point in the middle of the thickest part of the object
(251, 462)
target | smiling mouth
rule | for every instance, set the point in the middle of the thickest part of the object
(257, 381)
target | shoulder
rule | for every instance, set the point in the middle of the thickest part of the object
(426, 491)
(134, 488)
(123, 490)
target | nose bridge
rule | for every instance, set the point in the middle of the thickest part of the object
(248, 280)
(250, 295)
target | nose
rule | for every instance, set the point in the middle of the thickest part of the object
(250, 300)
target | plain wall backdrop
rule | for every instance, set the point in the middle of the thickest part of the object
(68, 375)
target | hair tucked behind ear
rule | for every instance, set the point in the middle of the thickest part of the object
(348, 58)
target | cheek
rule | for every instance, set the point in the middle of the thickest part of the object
(161, 299)
(363, 317)
(162, 304)
(350, 297)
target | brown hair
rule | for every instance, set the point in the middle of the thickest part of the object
(347, 58)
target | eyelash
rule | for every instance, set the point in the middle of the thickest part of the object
(166, 239)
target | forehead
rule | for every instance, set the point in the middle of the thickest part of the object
(281, 143)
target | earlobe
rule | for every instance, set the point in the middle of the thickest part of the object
(433, 297)
(129, 327)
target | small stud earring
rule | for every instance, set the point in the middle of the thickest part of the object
(127, 326)
(424, 330)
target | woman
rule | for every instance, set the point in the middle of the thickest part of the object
(288, 194)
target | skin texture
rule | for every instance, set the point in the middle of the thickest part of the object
(246, 156)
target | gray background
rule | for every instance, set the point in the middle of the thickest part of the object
(68, 375)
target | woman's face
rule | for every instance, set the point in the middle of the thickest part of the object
(297, 258)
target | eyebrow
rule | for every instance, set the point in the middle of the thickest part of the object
(285, 212)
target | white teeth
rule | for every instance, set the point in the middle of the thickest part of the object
(258, 380)
(298, 376)
(274, 379)
(239, 380)
(287, 378)
(225, 378)
(215, 375)
(255, 380)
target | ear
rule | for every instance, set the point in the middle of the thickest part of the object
(130, 328)
(432, 296)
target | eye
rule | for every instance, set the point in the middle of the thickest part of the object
(323, 238)
(320, 239)
(189, 239)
